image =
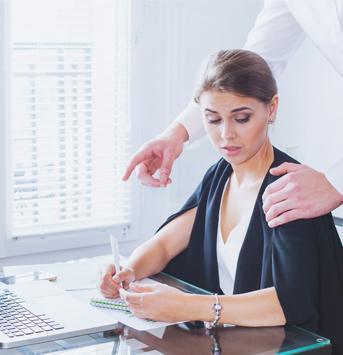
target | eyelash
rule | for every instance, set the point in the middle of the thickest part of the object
(243, 120)
(217, 121)
(238, 120)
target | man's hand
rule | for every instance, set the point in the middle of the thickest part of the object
(301, 193)
(158, 155)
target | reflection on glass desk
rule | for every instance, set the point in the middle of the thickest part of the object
(179, 339)
(186, 338)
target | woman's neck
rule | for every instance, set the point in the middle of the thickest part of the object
(254, 170)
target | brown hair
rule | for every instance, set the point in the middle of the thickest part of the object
(238, 71)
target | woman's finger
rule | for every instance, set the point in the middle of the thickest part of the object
(140, 288)
(138, 311)
(131, 298)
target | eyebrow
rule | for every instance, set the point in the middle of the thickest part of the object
(238, 109)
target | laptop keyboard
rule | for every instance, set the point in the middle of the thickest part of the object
(16, 320)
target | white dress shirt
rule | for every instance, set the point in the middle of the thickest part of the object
(279, 30)
(228, 252)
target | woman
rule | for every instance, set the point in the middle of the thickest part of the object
(220, 239)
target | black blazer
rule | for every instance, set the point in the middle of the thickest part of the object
(303, 259)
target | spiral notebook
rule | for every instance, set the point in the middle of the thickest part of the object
(116, 304)
(118, 309)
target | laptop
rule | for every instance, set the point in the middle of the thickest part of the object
(40, 311)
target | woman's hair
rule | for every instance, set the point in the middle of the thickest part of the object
(240, 72)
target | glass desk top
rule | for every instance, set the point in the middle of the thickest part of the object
(179, 339)
(185, 338)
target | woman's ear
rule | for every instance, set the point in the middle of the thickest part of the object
(273, 106)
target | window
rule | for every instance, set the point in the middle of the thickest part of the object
(67, 115)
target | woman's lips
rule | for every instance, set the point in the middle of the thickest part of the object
(231, 151)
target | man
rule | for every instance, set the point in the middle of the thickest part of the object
(279, 30)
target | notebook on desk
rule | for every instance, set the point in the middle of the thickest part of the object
(40, 311)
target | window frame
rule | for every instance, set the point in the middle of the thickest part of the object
(10, 247)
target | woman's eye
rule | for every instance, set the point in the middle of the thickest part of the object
(214, 120)
(243, 119)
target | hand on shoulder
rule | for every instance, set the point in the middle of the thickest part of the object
(300, 193)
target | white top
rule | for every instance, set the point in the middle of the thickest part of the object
(228, 252)
(279, 30)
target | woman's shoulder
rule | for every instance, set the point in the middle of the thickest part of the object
(282, 157)
(217, 170)
(213, 177)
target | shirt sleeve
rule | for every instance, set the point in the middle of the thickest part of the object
(322, 22)
(276, 35)
(190, 118)
(335, 176)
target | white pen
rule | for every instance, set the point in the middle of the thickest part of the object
(115, 252)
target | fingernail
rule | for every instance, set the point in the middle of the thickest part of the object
(271, 224)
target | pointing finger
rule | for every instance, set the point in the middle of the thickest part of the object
(135, 160)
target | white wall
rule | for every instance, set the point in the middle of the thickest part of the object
(171, 40)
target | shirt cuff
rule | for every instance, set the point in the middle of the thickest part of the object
(190, 118)
(335, 176)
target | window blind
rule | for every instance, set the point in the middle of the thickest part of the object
(68, 115)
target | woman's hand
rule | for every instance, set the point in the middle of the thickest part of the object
(111, 281)
(157, 302)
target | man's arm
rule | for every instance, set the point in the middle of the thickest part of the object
(190, 118)
(335, 176)
(276, 35)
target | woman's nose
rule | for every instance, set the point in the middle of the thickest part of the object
(227, 131)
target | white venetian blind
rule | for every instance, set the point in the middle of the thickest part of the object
(68, 114)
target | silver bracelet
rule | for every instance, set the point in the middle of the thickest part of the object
(216, 308)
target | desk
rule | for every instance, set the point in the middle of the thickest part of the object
(176, 339)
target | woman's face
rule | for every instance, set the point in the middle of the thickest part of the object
(237, 126)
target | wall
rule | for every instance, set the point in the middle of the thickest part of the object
(174, 38)
(171, 40)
